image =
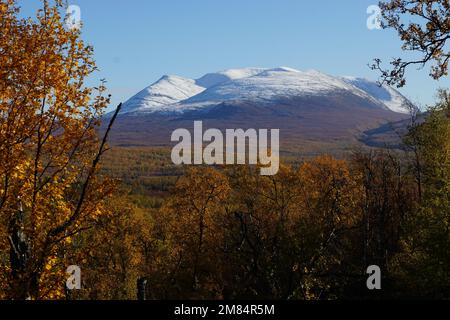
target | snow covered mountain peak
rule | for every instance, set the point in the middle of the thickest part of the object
(167, 91)
(271, 85)
(177, 94)
(212, 79)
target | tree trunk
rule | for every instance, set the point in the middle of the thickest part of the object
(19, 254)
(142, 289)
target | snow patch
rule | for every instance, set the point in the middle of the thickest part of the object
(213, 79)
(390, 97)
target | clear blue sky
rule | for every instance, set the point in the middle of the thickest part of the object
(138, 41)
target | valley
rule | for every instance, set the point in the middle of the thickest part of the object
(316, 114)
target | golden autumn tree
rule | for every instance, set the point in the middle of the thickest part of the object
(192, 215)
(121, 249)
(424, 28)
(233, 234)
(49, 151)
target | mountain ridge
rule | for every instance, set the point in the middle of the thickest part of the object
(175, 94)
(312, 110)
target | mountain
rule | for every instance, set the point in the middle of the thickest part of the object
(177, 94)
(167, 91)
(393, 99)
(309, 107)
(165, 94)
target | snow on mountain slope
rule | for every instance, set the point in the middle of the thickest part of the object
(176, 94)
(166, 92)
(273, 84)
(390, 97)
(213, 79)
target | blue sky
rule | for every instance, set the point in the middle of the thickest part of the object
(138, 41)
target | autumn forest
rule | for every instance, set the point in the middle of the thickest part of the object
(140, 227)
